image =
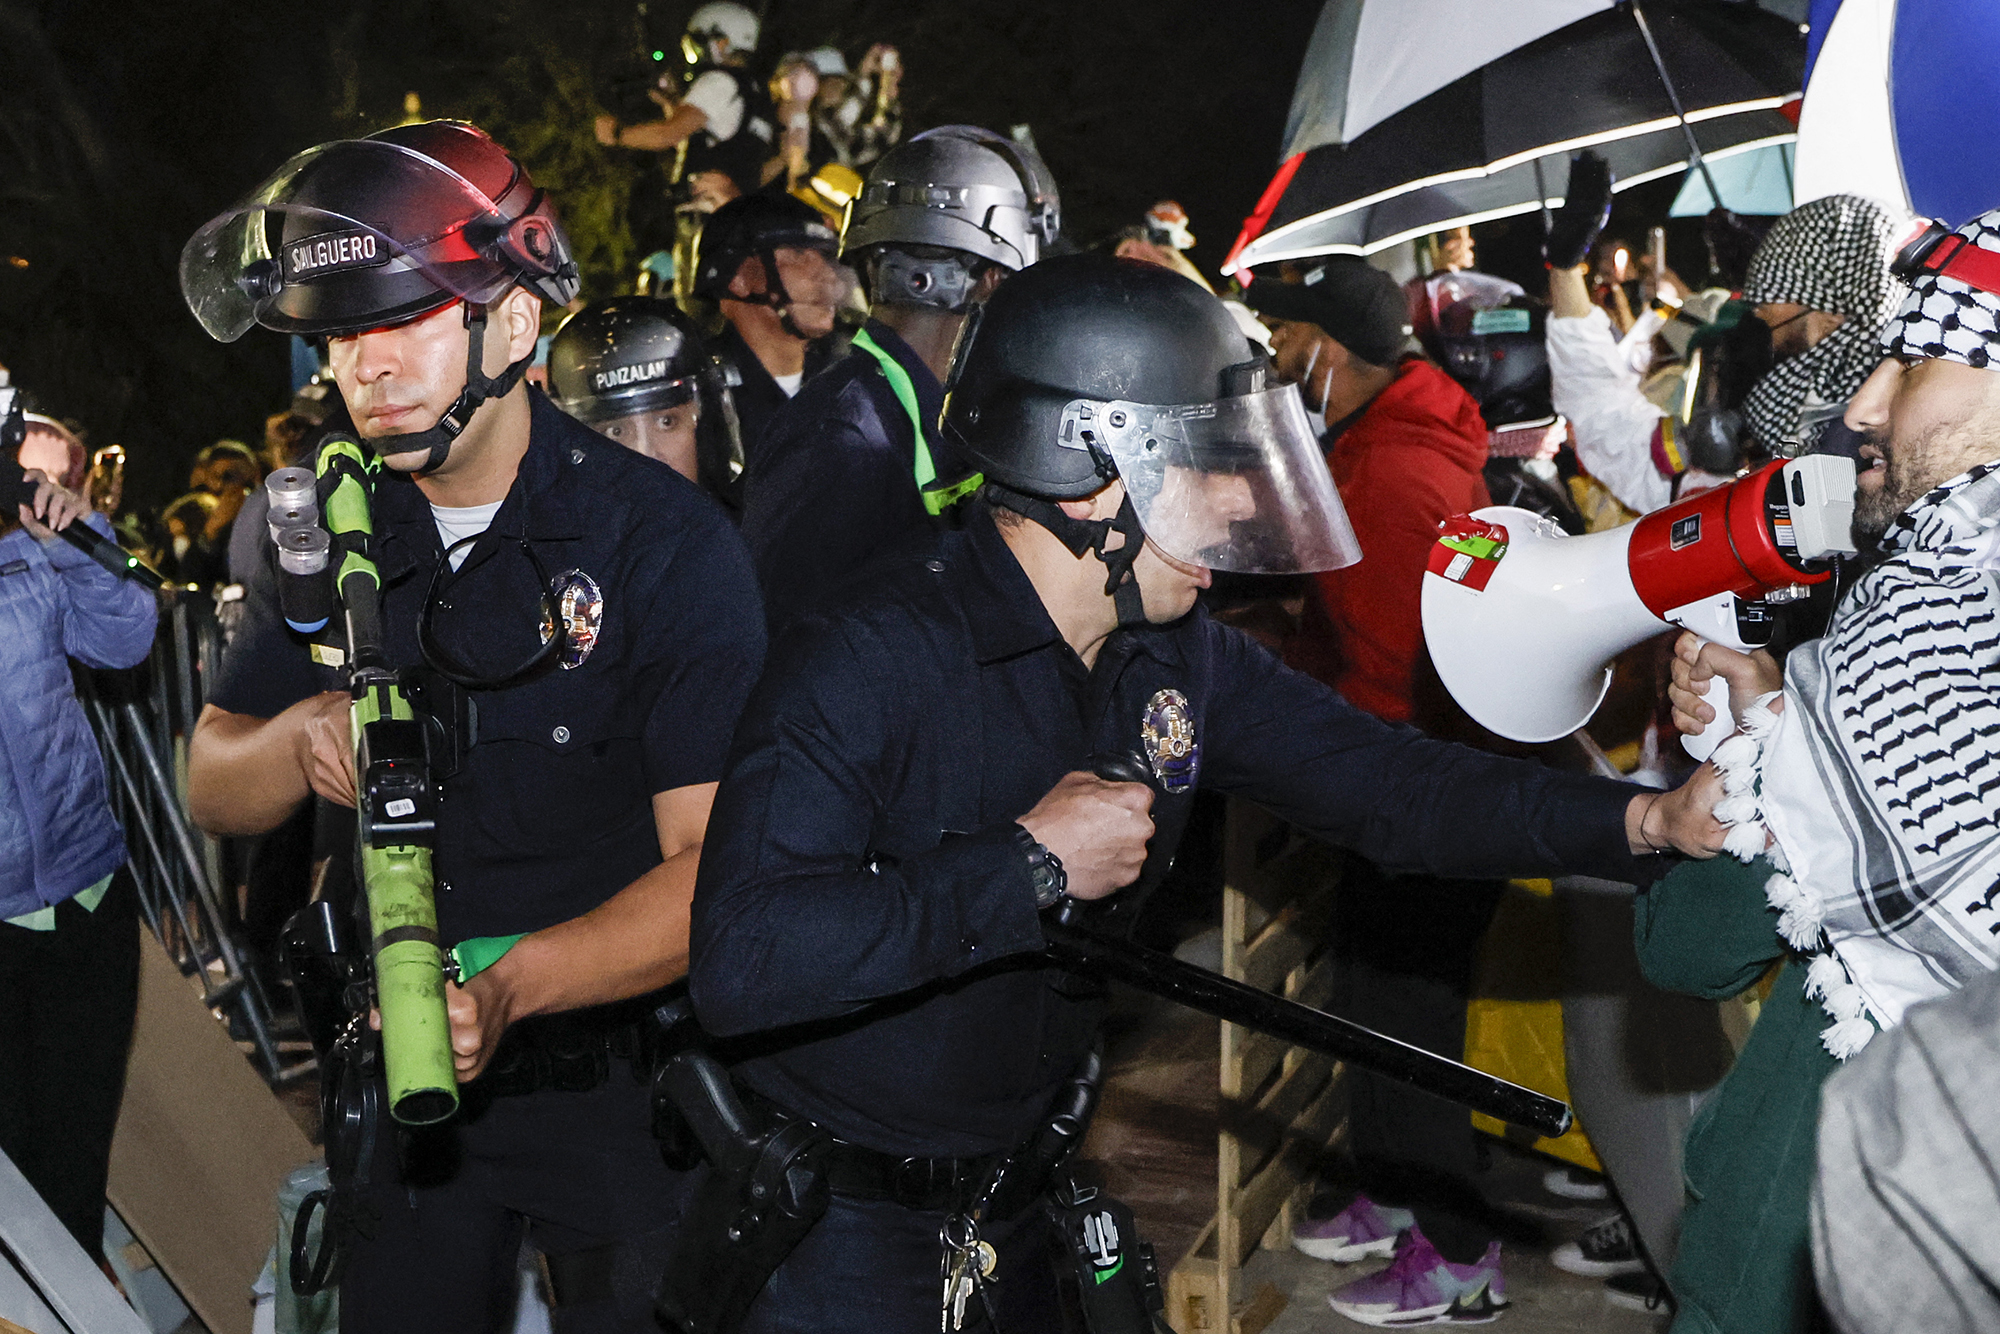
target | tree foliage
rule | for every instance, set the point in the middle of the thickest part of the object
(125, 125)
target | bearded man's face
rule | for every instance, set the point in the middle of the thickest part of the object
(1923, 421)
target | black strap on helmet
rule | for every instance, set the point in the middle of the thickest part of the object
(774, 295)
(1081, 535)
(438, 439)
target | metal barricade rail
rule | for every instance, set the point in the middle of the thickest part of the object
(143, 718)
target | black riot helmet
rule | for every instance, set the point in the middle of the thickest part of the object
(359, 234)
(1500, 356)
(638, 354)
(757, 224)
(629, 354)
(1083, 369)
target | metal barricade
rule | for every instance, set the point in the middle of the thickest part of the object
(143, 718)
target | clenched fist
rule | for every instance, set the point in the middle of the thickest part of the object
(1099, 829)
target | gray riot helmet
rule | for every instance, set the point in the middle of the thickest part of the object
(938, 209)
(636, 354)
(360, 234)
(1086, 369)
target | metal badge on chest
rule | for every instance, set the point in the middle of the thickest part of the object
(581, 602)
(1172, 748)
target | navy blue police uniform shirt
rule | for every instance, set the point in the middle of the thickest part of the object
(834, 483)
(551, 812)
(861, 889)
(758, 398)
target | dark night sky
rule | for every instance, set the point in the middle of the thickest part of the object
(124, 126)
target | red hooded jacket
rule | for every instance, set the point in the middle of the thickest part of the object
(1410, 460)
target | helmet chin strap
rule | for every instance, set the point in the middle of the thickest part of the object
(438, 439)
(1081, 535)
(777, 297)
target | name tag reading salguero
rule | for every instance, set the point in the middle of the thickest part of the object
(334, 252)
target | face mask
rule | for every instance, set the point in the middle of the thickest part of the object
(1305, 382)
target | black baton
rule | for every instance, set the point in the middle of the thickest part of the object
(1075, 945)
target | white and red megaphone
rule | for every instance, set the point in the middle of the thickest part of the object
(1523, 620)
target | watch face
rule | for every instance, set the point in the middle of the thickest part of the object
(1047, 876)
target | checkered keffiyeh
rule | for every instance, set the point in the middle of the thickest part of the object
(1831, 254)
(1880, 780)
(1948, 319)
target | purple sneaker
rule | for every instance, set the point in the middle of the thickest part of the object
(1362, 1229)
(1423, 1288)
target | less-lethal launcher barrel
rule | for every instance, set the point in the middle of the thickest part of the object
(397, 808)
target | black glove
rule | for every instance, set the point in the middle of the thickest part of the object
(1573, 228)
(1715, 441)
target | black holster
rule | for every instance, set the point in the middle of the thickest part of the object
(765, 1189)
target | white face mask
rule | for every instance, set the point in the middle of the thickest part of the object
(1306, 385)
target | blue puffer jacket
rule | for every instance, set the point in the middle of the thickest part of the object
(57, 834)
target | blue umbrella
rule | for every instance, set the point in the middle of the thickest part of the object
(1756, 181)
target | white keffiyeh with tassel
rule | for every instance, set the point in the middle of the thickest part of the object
(1879, 782)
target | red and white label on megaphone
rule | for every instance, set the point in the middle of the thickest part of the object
(1522, 620)
(1468, 550)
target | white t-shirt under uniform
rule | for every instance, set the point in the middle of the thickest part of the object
(455, 524)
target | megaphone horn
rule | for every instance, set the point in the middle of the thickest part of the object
(1522, 620)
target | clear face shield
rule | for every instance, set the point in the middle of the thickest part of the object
(1237, 485)
(238, 268)
(815, 278)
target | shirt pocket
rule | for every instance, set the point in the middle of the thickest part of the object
(557, 765)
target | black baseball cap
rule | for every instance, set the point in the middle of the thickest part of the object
(1353, 302)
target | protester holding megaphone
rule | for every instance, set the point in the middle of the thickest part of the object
(1862, 811)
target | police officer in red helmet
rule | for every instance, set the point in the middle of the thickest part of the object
(571, 816)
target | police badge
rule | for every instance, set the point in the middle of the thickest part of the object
(581, 603)
(1167, 729)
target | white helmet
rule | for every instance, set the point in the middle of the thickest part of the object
(725, 20)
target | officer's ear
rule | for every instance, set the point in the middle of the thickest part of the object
(515, 320)
(1101, 504)
(752, 268)
(989, 282)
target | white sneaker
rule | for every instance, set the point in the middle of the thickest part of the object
(1570, 1184)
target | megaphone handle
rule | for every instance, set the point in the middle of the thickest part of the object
(1720, 727)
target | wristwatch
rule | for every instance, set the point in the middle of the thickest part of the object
(1045, 869)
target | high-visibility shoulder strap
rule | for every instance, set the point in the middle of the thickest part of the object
(936, 498)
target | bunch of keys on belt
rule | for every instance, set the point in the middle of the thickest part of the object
(968, 1262)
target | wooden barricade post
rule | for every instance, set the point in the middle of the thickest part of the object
(1280, 1106)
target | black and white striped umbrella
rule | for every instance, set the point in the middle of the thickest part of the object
(1497, 141)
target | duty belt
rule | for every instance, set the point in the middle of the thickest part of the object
(862, 1173)
(565, 1052)
(929, 1185)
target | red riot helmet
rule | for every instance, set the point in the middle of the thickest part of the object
(359, 234)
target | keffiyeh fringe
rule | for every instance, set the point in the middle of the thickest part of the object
(1801, 911)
